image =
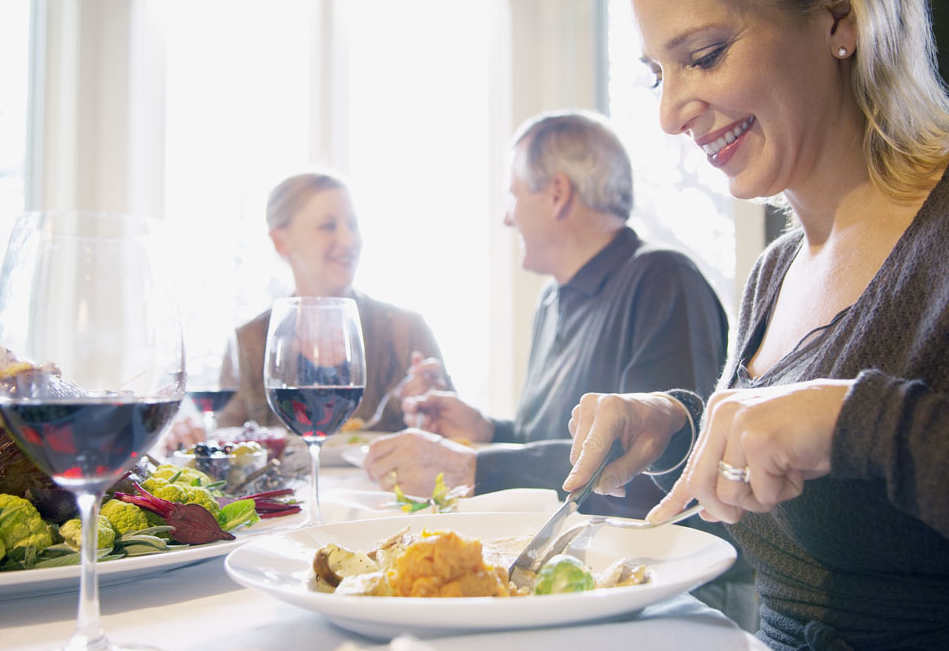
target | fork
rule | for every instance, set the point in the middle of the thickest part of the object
(597, 521)
(384, 402)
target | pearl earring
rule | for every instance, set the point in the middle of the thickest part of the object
(842, 52)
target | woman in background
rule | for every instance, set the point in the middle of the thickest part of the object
(313, 226)
(826, 443)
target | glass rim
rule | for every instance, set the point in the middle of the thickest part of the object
(314, 301)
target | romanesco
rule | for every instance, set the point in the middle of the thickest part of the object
(182, 493)
(21, 525)
(186, 475)
(71, 531)
(124, 517)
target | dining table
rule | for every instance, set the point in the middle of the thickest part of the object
(199, 606)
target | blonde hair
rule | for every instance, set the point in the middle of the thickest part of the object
(291, 194)
(896, 84)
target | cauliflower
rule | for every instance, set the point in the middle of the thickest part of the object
(71, 531)
(124, 517)
(3, 549)
(21, 525)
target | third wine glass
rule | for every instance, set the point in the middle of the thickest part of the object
(314, 371)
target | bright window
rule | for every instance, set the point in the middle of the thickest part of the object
(14, 71)
(680, 199)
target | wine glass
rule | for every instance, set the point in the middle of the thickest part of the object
(93, 362)
(314, 371)
(213, 380)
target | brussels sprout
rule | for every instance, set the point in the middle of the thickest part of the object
(563, 573)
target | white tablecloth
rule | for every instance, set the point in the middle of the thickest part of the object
(200, 607)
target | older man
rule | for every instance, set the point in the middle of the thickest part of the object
(618, 315)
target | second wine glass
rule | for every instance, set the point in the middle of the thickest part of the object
(314, 371)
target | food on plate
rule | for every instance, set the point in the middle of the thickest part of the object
(169, 509)
(352, 425)
(440, 564)
(563, 573)
(443, 499)
(71, 531)
(21, 526)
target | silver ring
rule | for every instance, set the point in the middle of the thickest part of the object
(732, 473)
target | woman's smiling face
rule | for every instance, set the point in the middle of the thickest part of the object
(755, 87)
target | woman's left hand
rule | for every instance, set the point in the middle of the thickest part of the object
(777, 436)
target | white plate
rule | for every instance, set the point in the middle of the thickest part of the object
(333, 450)
(678, 558)
(51, 580)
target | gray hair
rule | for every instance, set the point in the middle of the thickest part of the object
(896, 84)
(581, 145)
(291, 194)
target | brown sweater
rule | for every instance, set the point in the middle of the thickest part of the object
(861, 558)
(390, 334)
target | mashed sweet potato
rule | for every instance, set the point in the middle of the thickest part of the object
(444, 564)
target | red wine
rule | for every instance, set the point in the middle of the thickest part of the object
(75, 440)
(314, 412)
(211, 400)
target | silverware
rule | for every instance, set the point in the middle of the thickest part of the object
(523, 570)
(597, 521)
(391, 393)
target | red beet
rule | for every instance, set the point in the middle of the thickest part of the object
(193, 524)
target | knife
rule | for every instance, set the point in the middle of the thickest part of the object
(525, 568)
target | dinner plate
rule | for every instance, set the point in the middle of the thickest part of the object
(18, 584)
(678, 559)
(356, 455)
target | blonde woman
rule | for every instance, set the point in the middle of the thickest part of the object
(826, 443)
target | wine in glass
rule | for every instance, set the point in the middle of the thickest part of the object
(93, 362)
(213, 381)
(314, 371)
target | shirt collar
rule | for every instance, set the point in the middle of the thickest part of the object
(593, 275)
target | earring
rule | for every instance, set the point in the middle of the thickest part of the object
(842, 52)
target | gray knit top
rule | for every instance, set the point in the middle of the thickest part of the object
(861, 558)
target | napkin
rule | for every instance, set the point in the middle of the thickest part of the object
(343, 504)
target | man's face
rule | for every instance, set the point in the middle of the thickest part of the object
(531, 214)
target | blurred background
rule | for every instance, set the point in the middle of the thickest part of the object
(192, 110)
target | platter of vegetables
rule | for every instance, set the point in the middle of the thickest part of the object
(163, 517)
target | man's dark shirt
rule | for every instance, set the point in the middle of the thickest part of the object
(634, 318)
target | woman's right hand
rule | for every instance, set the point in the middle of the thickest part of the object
(642, 422)
(443, 412)
(424, 374)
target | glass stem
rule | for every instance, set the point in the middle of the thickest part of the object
(89, 634)
(314, 445)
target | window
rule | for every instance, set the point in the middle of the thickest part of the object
(680, 199)
(248, 101)
(14, 92)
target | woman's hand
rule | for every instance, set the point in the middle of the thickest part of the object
(443, 412)
(782, 435)
(643, 422)
(413, 459)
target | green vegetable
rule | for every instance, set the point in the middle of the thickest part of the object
(21, 525)
(561, 574)
(186, 475)
(124, 517)
(71, 531)
(443, 499)
(182, 493)
(238, 513)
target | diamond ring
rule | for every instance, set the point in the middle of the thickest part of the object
(732, 473)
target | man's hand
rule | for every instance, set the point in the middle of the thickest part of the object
(413, 458)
